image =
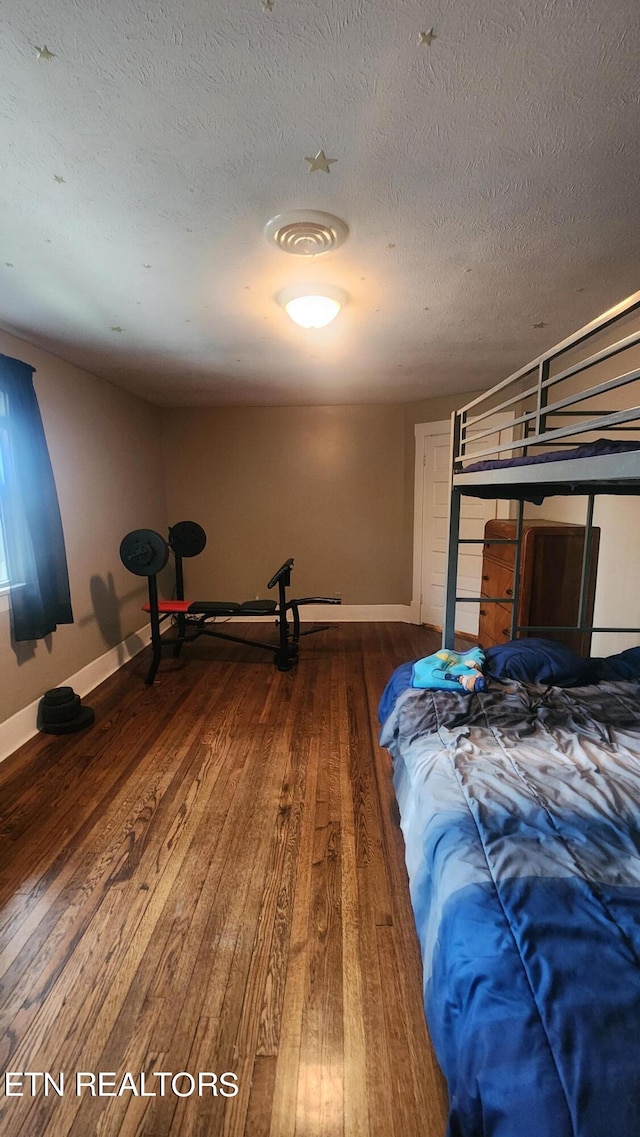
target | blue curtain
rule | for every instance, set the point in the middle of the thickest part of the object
(36, 557)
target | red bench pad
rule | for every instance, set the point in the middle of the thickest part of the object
(169, 606)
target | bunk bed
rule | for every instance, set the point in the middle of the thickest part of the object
(520, 803)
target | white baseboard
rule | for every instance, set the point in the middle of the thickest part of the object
(24, 724)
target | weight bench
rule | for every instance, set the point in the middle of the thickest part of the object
(145, 553)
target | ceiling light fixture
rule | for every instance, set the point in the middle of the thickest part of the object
(312, 305)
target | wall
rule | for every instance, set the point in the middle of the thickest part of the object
(331, 486)
(324, 485)
(105, 451)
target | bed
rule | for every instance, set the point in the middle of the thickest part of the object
(520, 809)
(520, 804)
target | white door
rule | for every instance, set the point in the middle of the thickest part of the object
(432, 473)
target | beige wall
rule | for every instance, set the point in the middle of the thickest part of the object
(330, 486)
(106, 456)
(324, 485)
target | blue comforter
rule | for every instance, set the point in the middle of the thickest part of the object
(520, 809)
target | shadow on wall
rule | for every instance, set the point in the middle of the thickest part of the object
(106, 607)
(26, 649)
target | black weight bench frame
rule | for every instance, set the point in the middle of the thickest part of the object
(192, 617)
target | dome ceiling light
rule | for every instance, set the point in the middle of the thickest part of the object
(312, 305)
(306, 232)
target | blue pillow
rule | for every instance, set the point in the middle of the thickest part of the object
(625, 665)
(540, 661)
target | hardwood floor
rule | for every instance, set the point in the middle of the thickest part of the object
(210, 880)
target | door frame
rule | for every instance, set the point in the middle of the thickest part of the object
(422, 431)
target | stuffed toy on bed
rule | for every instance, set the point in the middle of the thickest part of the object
(445, 668)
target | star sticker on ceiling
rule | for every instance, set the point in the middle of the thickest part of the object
(44, 53)
(58, 179)
(540, 325)
(320, 162)
(115, 328)
(267, 5)
(427, 37)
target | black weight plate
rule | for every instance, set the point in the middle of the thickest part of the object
(64, 712)
(58, 695)
(144, 552)
(187, 538)
(85, 718)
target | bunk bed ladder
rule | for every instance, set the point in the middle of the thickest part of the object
(451, 583)
(451, 598)
(453, 540)
(516, 570)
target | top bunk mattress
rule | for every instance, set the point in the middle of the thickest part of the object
(603, 466)
(587, 450)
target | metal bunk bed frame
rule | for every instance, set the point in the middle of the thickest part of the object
(604, 473)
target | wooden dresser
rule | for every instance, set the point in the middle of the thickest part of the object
(550, 571)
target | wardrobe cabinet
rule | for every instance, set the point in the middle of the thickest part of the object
(550, 572)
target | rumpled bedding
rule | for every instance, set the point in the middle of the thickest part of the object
(520, 808)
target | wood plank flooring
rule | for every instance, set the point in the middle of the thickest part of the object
(212, 880)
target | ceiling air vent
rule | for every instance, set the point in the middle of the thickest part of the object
(306, 232)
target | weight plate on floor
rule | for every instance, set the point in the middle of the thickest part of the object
(63, 712)
(144, 552)
(58, 695)
(187, 538)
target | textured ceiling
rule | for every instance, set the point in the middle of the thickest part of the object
(489, 181)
